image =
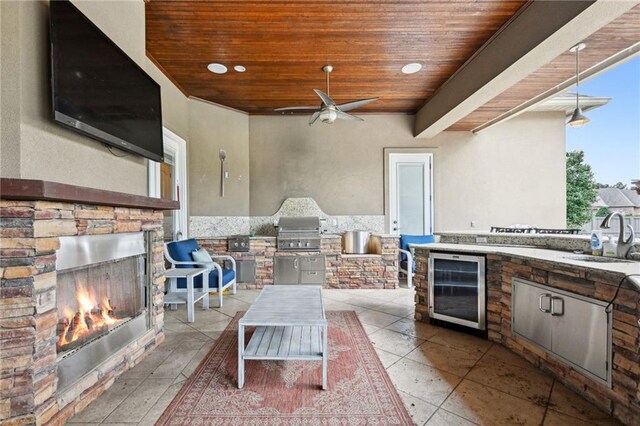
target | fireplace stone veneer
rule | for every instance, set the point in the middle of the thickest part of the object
(29, 238)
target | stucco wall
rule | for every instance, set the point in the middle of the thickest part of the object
(35, 147)
(511, 173)
(211, 129)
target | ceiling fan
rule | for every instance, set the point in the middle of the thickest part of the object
(329, 111)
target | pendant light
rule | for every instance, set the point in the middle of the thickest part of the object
(578, 118)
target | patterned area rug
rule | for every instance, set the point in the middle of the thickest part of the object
(288, 393)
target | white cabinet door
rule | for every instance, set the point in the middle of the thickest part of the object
(531, 307)
(580, 334)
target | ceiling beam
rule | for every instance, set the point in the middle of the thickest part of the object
(539, 33)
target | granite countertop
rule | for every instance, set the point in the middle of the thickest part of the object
(562, 258)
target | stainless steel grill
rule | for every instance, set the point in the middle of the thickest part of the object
(299, 234)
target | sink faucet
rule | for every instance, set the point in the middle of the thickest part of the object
(624, 246)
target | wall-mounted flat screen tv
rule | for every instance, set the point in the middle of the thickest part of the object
(98, 90)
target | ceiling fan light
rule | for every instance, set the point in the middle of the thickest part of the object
(578, 118)
(328, 115)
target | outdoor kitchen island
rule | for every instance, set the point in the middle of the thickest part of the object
(378, 270)
(567, 274)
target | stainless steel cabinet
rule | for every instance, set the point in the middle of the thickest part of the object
(575, 328)
(531, 317)
(299, 270)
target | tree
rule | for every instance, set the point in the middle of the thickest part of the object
(618, 185)
(581, 189)
(603, 211)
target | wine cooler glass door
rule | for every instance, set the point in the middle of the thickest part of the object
(457, 289)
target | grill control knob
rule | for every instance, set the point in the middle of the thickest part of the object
(299, 244)
(290, 244)
(242, 244)
(235, 244)
(307, 244)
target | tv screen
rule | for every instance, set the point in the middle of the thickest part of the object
(98, 90)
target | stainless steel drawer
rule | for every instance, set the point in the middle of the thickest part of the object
(311, 277)
(312, 263)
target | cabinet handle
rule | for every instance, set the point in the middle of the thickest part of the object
(313, 259)
(295, 263)
(553, 306)
(542, 296)
(313, 273)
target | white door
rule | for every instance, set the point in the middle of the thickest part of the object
(410, 194)
(168, 180)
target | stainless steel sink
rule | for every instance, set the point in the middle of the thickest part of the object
(598, 259)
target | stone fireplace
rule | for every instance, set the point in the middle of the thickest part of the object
(81, 296)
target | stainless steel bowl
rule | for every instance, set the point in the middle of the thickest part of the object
(355, 242)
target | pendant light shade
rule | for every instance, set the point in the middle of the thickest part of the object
(578, 118)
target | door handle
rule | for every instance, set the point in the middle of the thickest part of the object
(553, 306)
(542, 296)
(295, 263)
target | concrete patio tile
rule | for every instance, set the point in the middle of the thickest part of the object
(526, 383)
(421, 381)
(462, 341)
(334, 305)
(378, 319)
(197, 358)
(486, 406)
(554, 418)
(336, 294)
(136, 406)
(163, 402)
(563, 400)
(363, 301)
(370, 329)
(419, 410)
(174, 364)
(414, 328)
(212, 325)
(394, 342)
(453, 360)
(387, 358)
(149, 364)
(499, 353)
(395, 309)
(100, 409)
(444, 418)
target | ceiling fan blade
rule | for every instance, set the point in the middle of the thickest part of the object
(296, 108)
(314, 117)
(355, 104)
(326, 99)
(344, 116)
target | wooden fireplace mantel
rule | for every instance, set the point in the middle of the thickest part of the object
(41, 190)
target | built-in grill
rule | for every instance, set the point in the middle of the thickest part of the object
(299, 233)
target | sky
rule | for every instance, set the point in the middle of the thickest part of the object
(611, 141)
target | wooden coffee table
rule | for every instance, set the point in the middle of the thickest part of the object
(290, 325)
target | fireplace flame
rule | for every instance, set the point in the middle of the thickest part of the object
(91, 318)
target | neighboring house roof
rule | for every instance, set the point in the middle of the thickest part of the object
(614, 197)
(567, 102)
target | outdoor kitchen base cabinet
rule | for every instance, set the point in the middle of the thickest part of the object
(299, 270)
(572, 327)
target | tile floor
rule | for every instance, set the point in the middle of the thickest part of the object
(443, 376)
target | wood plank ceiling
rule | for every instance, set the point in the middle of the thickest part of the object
(284, 44)
(618, 35)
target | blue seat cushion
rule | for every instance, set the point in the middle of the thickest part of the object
(228, 275)
(405, 240)
(403, 265)
(181, 252)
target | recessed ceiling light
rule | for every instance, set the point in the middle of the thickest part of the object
(239, 68)
(217, 68)
(412, 68)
